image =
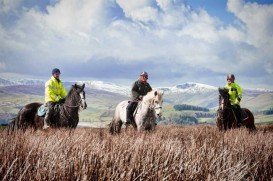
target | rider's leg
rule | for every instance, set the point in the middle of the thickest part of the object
(49, 113)
(129, 111)
(238, 114)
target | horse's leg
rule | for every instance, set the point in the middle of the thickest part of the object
(219, 123)
(118, 126)
(249, 122)
(112, 127)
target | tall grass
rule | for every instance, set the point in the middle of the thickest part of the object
(169, 153)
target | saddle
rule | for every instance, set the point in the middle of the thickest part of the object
(42, 110)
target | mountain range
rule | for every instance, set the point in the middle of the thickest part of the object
(187, 93)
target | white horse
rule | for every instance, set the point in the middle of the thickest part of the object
(145, 114)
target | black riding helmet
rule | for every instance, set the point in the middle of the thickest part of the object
(55, 71)
(144, 74)
(230, 76)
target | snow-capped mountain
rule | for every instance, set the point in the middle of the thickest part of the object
(185, 88)
(110, 87)
(4, 82)
(189, 87)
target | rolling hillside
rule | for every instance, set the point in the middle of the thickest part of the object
(103, 97)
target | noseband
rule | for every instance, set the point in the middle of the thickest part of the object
(79, 102)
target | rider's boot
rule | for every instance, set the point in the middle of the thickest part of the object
(46, 121)
(128, 116)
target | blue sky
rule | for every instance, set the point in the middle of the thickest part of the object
(175, 41)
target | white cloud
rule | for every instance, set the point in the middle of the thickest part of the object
(9, 5)
(168, 30)
(140, 10)
(258, 21)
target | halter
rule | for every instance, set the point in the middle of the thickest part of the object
(66, 112)
(79, 103)
(223, 106)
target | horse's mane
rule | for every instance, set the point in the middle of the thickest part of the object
(223, 91)
(150, 95)
(73, 89)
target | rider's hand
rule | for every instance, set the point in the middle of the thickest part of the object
(239, 99)
(62, 100)
(140, 97)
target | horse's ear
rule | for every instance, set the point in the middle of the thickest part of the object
(220, 90)
(155, 93)
(83, 86)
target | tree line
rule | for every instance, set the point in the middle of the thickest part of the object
(183, 107)
(268, 112)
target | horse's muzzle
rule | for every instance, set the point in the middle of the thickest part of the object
(84, 106)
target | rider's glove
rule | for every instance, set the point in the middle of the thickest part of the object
(61, 101)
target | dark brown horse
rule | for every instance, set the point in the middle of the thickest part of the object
(67, 116)
(226, 118)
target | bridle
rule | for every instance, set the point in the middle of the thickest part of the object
(81, 100)
(223, 100)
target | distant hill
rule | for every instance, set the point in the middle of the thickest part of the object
(187, 93)
(102, 97)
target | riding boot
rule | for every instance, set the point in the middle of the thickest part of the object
(130, 111)
(46, 121)
(48, 116)
(128, 116)
(239, 115)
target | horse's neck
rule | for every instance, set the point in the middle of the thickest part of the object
(69, 100)
(144, 106)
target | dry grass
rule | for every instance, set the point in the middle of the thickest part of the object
(170, 153)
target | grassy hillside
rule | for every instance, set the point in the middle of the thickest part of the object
(169, 153)
(101, 104)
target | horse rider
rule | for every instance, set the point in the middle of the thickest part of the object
(139, 89)
(235, 97)
(54, 93)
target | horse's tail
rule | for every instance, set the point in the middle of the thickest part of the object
(115, 126)
(14, 124)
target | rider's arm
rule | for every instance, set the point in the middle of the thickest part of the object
(239, 92)
(149, 88)
(50, 92)
(134, 91)
(63, 92)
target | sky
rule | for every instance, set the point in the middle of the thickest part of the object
(175, 41)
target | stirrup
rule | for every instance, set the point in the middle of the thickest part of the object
(45, 125)
(128, 122)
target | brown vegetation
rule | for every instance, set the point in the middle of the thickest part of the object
(169, 153)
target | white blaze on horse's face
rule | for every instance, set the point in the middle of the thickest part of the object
(158, 101)
(222, 104)
(83, 102)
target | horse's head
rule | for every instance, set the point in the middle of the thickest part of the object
(80, 95)
(223, 98)
(155, 99)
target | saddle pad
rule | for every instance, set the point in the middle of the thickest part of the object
(42, 110)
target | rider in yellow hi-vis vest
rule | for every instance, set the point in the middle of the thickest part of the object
(54, 93)
(235, 96)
